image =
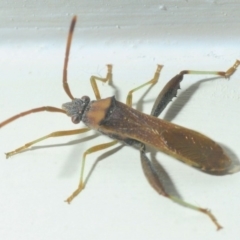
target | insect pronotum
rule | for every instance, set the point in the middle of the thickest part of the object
(122, 123)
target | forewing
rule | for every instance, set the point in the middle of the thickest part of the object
(195, 149)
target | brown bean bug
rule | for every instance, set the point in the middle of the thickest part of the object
(122, 123)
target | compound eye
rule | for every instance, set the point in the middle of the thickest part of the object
(85, 99)
(76, 119)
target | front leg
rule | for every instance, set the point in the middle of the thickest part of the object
(94, 83)
(53, 134)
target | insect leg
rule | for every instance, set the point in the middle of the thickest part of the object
(171, 88)
(53, 134)
(34, 110)
(153, 178)
(89, 151)
(152, 81)
(107, 78)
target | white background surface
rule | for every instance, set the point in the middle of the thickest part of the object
(134, 36)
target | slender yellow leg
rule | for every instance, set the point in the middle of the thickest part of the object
(53, 134)
(89, 151)
(152, 81)
(94, 83)
(226, 74)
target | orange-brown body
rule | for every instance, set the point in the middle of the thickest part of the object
(121, 122)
